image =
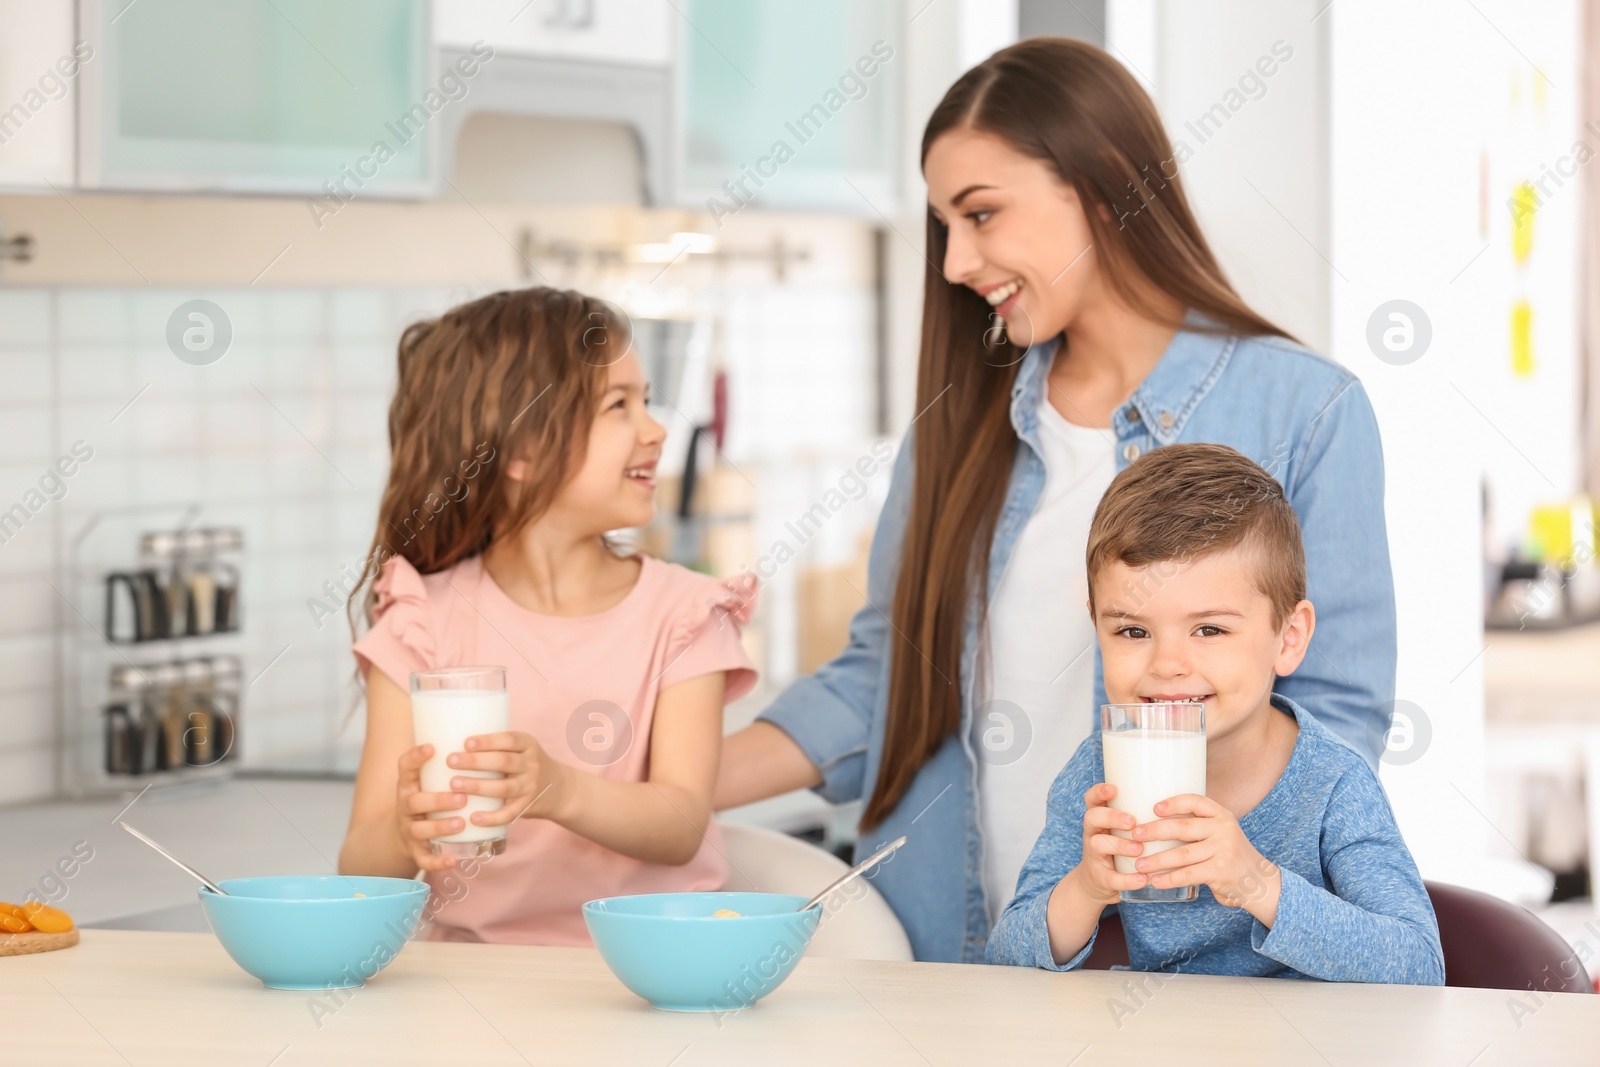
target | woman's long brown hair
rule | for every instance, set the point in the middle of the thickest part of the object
(1078, 110)
(516, 373)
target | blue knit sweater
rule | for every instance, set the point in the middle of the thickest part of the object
(1352, 907)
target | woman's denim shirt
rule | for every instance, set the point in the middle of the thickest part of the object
(1302, 417)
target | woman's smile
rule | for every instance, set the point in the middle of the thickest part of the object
(1002, 297)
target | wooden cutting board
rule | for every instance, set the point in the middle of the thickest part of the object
(34, 941)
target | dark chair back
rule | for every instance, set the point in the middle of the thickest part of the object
(1488, 944)
(1110, 945)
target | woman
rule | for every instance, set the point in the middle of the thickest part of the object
(1073, 317)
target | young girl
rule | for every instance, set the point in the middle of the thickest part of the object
(519, 436)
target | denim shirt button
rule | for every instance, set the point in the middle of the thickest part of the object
(1130, 453)
(1133, 413)
(1166, 420)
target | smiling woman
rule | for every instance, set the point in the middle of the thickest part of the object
(1074, 318)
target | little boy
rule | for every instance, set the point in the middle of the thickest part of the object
(1197, 582)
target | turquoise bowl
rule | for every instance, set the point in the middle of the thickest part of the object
(312, 931)
(667, 947)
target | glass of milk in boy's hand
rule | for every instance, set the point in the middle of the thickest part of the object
(447, 707)
(1152, 752)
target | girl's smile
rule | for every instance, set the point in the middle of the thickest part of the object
(643, 475)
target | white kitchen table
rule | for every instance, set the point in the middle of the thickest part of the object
(171, 999)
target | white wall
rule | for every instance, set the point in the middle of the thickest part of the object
(1406, 224)
(1258, 172)
(1530, 125)
(1354, 180)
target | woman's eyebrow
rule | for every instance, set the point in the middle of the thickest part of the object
(955, 201)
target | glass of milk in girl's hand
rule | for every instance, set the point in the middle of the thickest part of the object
(447, 707)
(1152, 752)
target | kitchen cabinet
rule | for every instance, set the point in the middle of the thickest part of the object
(615, 31)
(40, 65)
(789, 105)
(293, 96)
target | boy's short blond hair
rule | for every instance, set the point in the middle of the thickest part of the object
(1184, 502)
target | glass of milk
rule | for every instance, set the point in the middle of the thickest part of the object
(447, 707)
(1153, 752)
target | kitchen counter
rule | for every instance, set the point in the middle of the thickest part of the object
(231, 829)
(1542, 731)
(126, 997)
(1542, 676)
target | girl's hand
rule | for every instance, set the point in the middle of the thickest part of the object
(1097, 874)
(528, 785)
(412, 806)
(1216, 853)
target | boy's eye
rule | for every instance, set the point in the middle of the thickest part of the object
(1214, 631)
(1135, 632)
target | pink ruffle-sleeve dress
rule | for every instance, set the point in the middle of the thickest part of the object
(586, 688)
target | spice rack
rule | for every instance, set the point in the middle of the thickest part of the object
(150, 660)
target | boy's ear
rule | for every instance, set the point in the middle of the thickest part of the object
(1295, 639)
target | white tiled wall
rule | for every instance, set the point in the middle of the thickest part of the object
(285, 438)
(253, 439)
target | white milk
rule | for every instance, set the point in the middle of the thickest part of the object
(445, 718)
(1148, 766)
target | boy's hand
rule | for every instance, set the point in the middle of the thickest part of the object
(1215, 853)
(1073, 911)
(1096, 874)
(528, 785)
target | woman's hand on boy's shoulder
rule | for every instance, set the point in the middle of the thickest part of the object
(1215, 853)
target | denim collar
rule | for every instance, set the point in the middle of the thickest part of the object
(1163, 402)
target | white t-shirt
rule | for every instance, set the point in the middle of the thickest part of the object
(1040, 682)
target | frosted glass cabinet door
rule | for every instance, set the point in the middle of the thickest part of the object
(251, 95)
(789, 105)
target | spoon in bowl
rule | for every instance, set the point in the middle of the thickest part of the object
(854, 872)
(214, 887)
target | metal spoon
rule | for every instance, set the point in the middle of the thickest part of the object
(214, 887)
(854, 872)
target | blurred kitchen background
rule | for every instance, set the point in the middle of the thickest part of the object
(216, 217)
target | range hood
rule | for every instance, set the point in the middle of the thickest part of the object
(528, 119)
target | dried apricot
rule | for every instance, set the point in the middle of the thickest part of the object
(13, 920)
(45, 918)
